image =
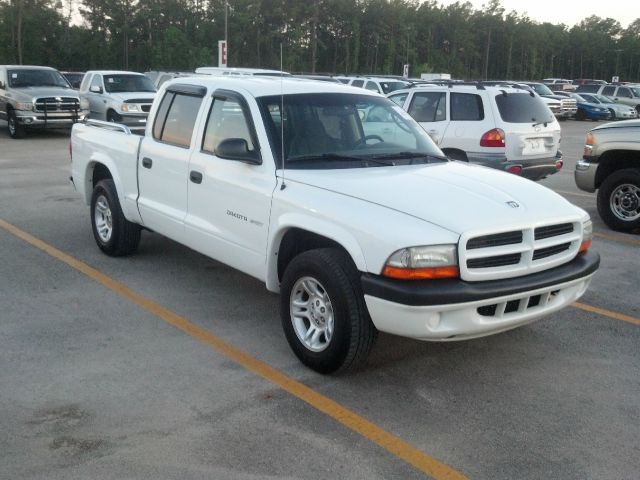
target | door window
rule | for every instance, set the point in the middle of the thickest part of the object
(226, 120)
(608, 91)
(466, 107)
(399, 98)
(176, 118)
(357, 83)
(96, 81)
(624, 92)
(428, 106)
(372, 86)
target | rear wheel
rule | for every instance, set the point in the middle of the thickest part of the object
(114, 234)
(324, 316)
(15, 129)
(580, 115)
(619, 200)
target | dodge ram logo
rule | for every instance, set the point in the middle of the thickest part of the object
(513, 204)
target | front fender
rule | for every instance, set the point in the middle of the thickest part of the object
(311, 224)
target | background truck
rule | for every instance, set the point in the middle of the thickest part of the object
(37, 97)
(281, 179)
(611, 165)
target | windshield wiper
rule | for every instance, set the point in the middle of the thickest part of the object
(536, 123)
(335, 157)
(410, 156)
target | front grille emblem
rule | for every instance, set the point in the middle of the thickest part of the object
(513, 204)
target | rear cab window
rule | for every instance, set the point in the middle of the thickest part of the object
(177, 113)
(522, 108)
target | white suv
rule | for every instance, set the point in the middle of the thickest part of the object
(381, 85)
(505, 128)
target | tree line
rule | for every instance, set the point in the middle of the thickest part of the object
(317, 36)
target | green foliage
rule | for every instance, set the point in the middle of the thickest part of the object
(340, 36)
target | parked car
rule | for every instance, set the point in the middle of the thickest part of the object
(618, 111)
(500, 127)
(38, 97)
(118, 96)
(624, 94)
(587, 110)
(382, 85)
(611, 164)
(74, 79)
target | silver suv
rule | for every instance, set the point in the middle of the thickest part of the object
(38, 97)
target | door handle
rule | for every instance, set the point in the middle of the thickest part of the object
(195, 177)
(147, 162)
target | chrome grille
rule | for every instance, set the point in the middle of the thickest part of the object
(512, 253)
(57, 104)
(569, 105)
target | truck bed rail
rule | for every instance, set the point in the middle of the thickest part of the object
(109, 126)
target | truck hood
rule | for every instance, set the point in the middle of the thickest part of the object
(124, 96)
(455, 196)
(27, 93)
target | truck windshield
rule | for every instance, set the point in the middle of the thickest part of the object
(541, 89)
(127, 83)
(635, 91)
(341, 130)
(21, 78)
(388, 87)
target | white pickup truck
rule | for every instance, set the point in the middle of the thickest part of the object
(281, 179)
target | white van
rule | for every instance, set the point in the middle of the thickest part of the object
(505, 128)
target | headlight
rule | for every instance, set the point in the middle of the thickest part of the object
(587, 236)
(421, 263)
(24, 106)
(130, 107)
(84, 104)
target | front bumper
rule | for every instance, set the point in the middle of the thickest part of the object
(133, 120)
(585, 175)
(445, 310)
(65, 119)
(532, 168)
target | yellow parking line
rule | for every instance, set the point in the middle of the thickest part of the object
(346, 417)
(607, 313)
(613, 238)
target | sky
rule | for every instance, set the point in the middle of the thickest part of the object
(568, 12)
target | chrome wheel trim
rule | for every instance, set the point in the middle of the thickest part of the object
(624, 202)
(102, 219)
(311, 314)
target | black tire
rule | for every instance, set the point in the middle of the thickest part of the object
(353, 332)
(456, 155)
(580, 115)
(619, 200)
(113, 117)
(114, 234)
(15, 129)
(612, 113)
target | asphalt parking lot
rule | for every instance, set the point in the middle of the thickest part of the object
(169, 365)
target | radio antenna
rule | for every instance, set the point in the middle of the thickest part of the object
(283, 185)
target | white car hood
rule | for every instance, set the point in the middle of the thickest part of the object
(123, 96)
(455, 196)
(39, 92)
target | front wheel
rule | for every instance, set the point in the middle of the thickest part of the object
(114, 234)
(619, 200)
(580, 115)
(324, 316)
(15, 129)
(612, 114)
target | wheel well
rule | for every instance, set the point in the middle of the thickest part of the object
(455, 154)
(100, 172)
(296, 241)
(614, 160)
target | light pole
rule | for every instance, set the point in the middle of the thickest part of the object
(618, 50)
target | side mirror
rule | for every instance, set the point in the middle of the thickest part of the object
(237, 149)
(95, 89)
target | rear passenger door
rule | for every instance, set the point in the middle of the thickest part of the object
(163, 162)
(230, 200)
(429, 109)
(467, 122)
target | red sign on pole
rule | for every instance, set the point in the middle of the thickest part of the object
(222, 53)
